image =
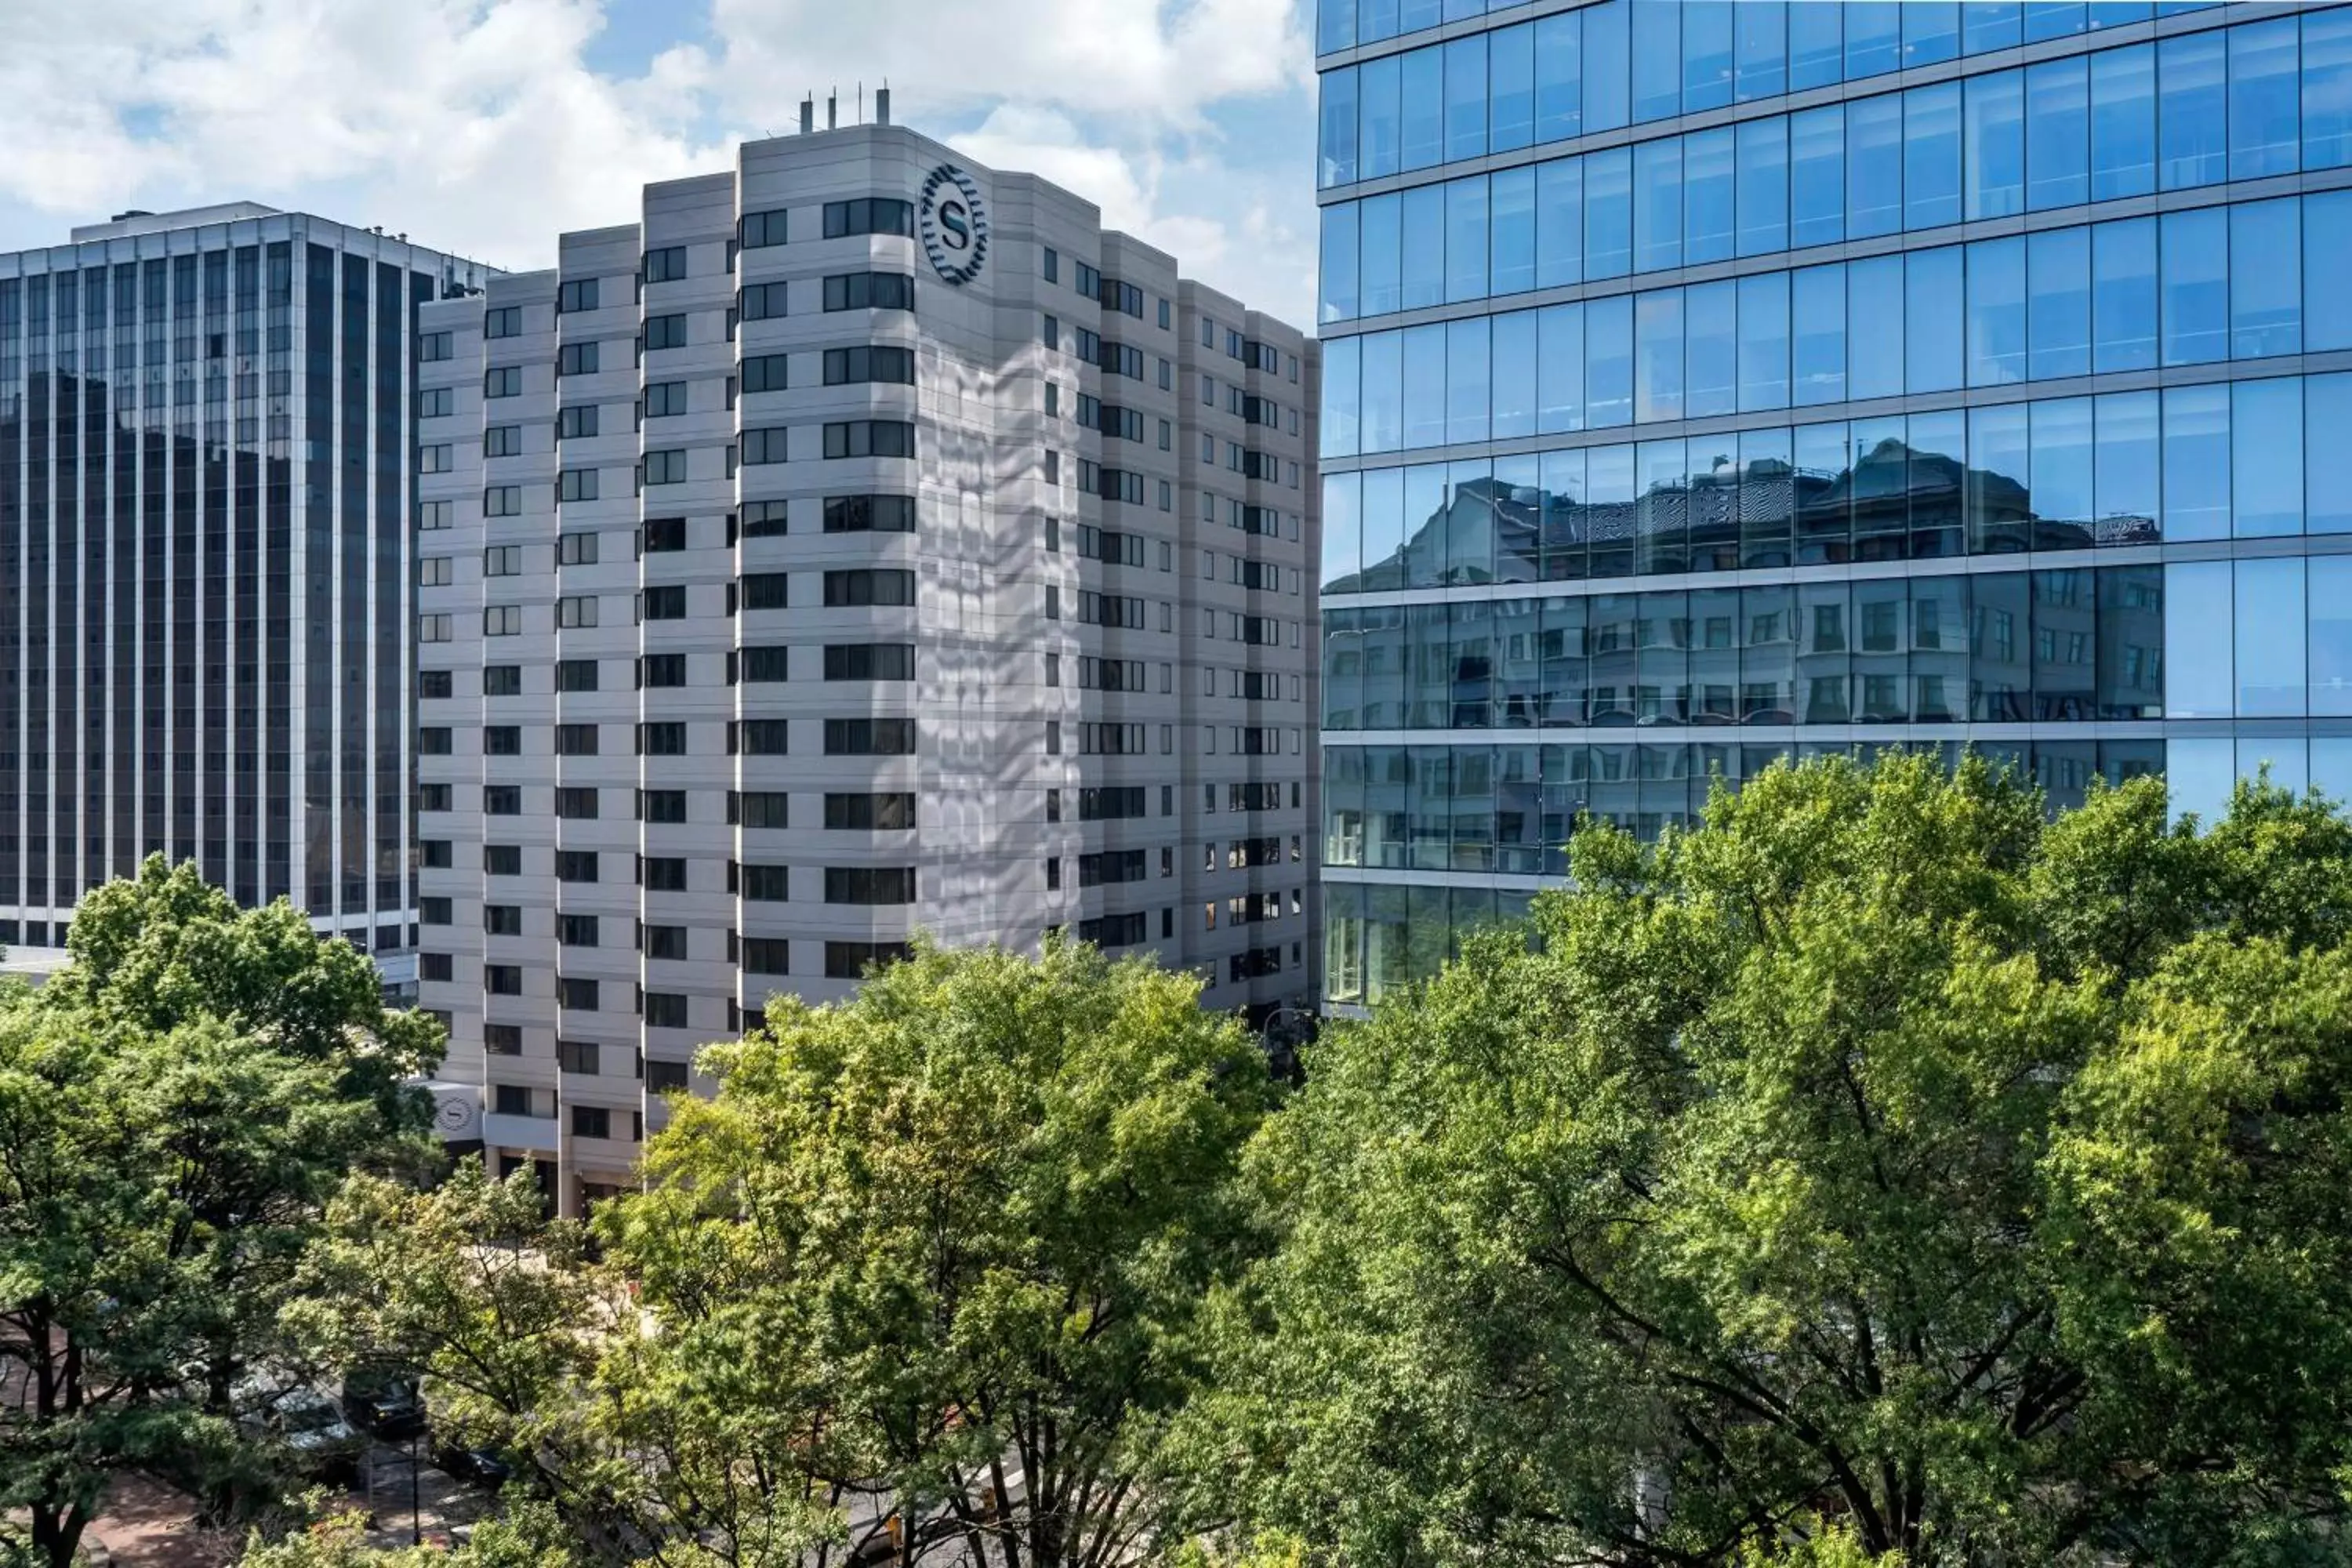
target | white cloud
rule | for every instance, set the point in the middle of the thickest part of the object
(1157, 62)
(473, 126)
(478, 126)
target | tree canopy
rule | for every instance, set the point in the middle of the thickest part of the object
(176, 1108)
(1877, 1169)
(923, 1277)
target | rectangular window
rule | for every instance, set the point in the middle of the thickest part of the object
(666, 806)
(661, 670)
(576, 612)
(867, 661)
(575, 739)
(665, 738)
(576, 359)
(869, 438)
(762, 301)
(663, 874)
(665, 467)
(869, 884)
(765, 445)
(869, 737)
(766, 884)
(502, 380)
(869, 291)
(875, 362)
(664, 1010)
(763, 590)
(575, 804)
(665, 265)
(766, 373)
(759, 230)
(869, 215)
(762, 808)
(761, 737)
(867, 813)
(575, 484)
(878, 514)
(851, 960)
(766, 665)
(853, 588)
(578, 295)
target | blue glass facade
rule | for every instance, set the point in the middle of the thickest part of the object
(1705, 383)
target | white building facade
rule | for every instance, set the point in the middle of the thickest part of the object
(864, 542)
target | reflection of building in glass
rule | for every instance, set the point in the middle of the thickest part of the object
(206, 435)
(1639, 473)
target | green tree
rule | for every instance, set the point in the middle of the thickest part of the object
(170, 1134)
(472, 1285)
(935, 1257)
(526, 1534)
(1875, 1153)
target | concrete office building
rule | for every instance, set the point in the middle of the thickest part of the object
(1709, 383)
(864, 541)
(205, 419)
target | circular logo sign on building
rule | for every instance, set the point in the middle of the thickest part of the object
(954, 224)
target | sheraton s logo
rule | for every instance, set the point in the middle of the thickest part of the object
(954, 224)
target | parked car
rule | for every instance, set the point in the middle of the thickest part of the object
(306, 1421)
(483, 1466)
(388, 1405)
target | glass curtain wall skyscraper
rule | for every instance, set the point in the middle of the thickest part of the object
(206, 420)
(1707, 383)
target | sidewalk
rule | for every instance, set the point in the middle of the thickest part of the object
(148, 1525)
(442, 1501)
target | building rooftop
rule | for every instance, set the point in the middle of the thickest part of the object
(140, 222)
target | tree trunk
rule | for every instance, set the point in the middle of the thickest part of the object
(57, 1534)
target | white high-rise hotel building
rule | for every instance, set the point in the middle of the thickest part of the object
(862, 543)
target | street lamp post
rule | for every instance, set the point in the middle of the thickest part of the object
(415, 1516)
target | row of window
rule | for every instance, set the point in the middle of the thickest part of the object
(841, 292)
(661, 873)
(1120, 740)
(2054, 135)
(862, 215)
(762, 519)
(745, 808)
(1621, 63)
(2226, 459)
(2191, 288)
(1108, 292)
(667, 738)
(2256, 639)
(844, 439)
(843, 589)
(841, 439)
(1512, 809)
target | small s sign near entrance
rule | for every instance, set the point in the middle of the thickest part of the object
(954, 224)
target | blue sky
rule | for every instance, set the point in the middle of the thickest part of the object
(489, 126)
